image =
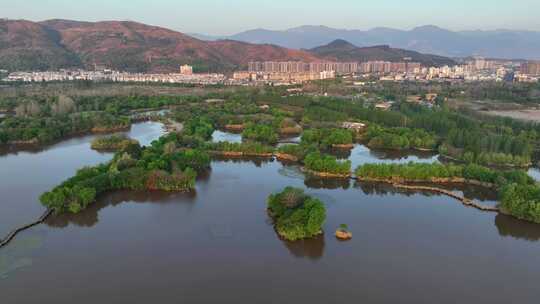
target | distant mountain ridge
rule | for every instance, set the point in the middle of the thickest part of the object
(132, 46)
(430, 39)
(342, 50)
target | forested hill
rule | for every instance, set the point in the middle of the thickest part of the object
(131, 46)
(342, 50)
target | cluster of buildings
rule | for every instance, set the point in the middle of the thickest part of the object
(530, 68)
(244, 77)
(383, 67)
(185, 76)
(297, 71)
(340, 68)
(293, 72)
(476, 69)
(529, 71)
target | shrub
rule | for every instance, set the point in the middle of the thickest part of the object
(298, 151)
(260, 133)
(318, 162)
(521, 201)
(113, 143)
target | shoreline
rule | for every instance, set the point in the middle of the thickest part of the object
(441, 181)
(234, 128)
(286, 157)
(501, 166)
(465, 201)
(343, 146)
(240, 154)
(35, 144)
(327, 174)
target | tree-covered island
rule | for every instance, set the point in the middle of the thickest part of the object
(296, 215)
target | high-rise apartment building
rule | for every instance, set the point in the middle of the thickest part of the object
(339, 68)
(530, 68)
(186, 70)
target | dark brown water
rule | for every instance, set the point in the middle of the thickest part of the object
(218, 245)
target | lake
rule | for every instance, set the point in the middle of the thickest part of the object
(218, 244)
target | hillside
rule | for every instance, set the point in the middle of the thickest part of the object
(129, 46)
(342, 50)
(136, 47)
(27, 45)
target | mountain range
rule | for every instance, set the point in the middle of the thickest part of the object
(132, 46)
(430, 39)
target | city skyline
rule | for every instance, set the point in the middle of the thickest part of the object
(230, 17)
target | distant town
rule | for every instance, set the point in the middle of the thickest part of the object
(295, 72)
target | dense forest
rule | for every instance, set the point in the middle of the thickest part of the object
(44, 120)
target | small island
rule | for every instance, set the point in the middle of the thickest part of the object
(296, 215)
(324, 165)
(378, 137)
(343, 233)
(329, 138)
(112, 143)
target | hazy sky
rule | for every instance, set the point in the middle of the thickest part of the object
(231, 16)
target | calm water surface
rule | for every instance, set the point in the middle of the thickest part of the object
(219, 136)
(218, 245)
(25, 175)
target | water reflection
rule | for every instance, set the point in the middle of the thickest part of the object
(289, 139)
(487, 196)
(314, 182)
(381, 189)
(517, 229)
(291, 171)
(361, 154)
(90, 217)
(144, 132)
(219, 136)
(19, 254)
(534, 172)
(312, 249)
(26, 175)
(257, 161)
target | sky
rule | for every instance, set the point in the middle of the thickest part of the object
(223, 17)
